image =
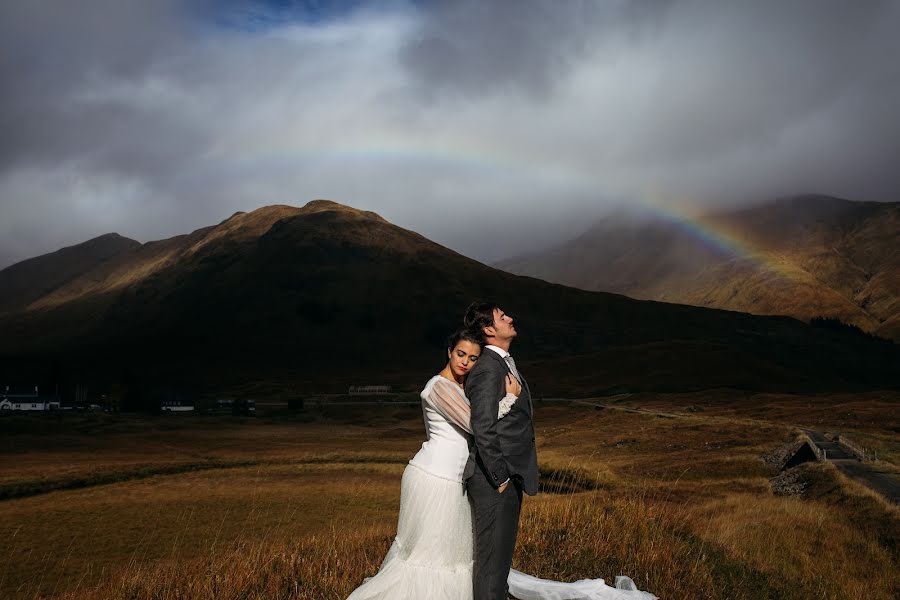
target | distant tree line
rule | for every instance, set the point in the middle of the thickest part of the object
(835, 324)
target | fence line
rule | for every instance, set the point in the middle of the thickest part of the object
(860, 452)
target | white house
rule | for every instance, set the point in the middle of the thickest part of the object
(26, 400)
(37, 404)
(28, 404)
(369, 389)
(177, 405)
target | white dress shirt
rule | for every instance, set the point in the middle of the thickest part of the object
(503, 353)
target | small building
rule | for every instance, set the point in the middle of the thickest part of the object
(173, 399)
(237, 406)
(26, 398)
(177, 405)
(243, 406)
(224, 403)
(36, 404)
(368, 390)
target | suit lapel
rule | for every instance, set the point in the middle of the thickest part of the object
(528, 391)
(506, 368)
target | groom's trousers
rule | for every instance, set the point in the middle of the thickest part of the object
(495, 523)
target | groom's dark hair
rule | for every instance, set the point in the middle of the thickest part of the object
(479, 315)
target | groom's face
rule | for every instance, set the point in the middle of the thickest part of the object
(503, 325)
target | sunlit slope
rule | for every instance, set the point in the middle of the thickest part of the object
(808, 256)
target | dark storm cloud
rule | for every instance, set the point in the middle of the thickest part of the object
(681, 90)
(492, 127)
(476, 47)
(50, 49)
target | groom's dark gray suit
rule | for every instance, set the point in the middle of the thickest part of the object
(504, 448)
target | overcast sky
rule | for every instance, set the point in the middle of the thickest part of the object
(490, 127)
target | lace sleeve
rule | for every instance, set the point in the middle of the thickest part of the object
(450, 401)
(506, 404)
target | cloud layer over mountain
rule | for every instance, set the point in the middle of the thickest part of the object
(488, 126)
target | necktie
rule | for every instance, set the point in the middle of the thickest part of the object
(512, 367)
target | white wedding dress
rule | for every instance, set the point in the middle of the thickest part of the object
(431, 556)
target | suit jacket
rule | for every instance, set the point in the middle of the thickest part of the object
(503, 447)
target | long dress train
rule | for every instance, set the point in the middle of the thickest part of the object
(431, 556)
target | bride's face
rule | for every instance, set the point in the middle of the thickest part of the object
(463, 357)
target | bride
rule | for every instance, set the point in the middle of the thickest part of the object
(431, 556)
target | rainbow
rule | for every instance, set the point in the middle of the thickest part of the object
(717, 236)
(487, 157)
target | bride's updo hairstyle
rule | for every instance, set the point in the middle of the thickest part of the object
(464, 334)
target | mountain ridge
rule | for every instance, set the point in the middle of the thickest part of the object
(327, 295)
(32, 278)
(805, 256)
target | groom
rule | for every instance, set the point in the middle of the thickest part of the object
(503, 459)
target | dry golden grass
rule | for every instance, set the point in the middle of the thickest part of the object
(871, 418)
(681, 505)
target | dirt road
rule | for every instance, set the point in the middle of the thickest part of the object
(884, 483)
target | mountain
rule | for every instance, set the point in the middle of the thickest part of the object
(325, 295)
(32, 279)
(805, 256)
